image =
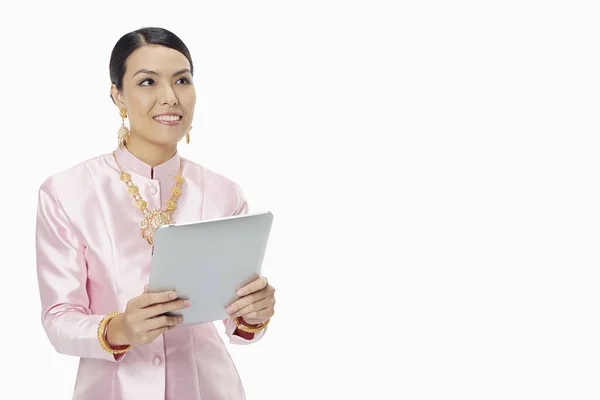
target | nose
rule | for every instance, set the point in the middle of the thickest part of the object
(168, 96)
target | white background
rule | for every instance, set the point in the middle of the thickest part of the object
(432, 167)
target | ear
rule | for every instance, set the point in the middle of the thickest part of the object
(116, 96)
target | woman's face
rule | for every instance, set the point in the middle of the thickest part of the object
(157, 81)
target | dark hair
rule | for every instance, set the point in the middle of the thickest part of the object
(136, 39)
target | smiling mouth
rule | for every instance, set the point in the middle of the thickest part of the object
(168, 118)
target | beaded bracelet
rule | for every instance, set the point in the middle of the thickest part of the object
(102, 330)
(249, 329)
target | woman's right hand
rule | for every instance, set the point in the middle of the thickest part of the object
(142, 321)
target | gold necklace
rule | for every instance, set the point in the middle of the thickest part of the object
(157, 217)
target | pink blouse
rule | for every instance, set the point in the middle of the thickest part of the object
(91, 259)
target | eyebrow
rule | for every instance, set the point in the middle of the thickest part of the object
(146, 71)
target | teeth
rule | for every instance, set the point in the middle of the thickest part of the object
(168, 118)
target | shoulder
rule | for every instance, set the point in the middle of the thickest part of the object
(208, 176)
(215, 186)
(74, 178)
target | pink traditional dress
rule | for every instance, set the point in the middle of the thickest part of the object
(92, 259)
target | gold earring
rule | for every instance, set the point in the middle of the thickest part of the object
(123, 134)
(187, 136)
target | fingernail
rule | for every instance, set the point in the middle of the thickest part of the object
(180, 319)
(187, 303)
(229, 310)
(241, 292)
(173, 295)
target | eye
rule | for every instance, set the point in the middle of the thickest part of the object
(185, 79)
(146, 80)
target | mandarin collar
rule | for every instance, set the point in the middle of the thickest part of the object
(134, 164)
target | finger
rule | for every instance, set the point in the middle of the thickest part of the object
(246, 301)
(257, 306)
(254, 286)
(162, 308)
(258, 317)
(148, 299)
(261, 310)
(153, 334)
(163, 321)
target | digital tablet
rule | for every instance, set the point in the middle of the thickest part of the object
(208, 261)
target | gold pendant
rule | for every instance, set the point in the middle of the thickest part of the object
(153, 220)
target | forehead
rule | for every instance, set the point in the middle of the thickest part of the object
(161, 59)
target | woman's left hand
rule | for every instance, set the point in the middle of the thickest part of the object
(257, 302)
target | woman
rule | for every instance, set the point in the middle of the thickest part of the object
(94, 232)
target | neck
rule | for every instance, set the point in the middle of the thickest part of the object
(150, 153)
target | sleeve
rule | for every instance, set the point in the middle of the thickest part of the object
(236, 336)
(62, 276)
(242, 203)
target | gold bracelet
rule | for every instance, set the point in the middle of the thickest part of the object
(101, 332)
(248, 329)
